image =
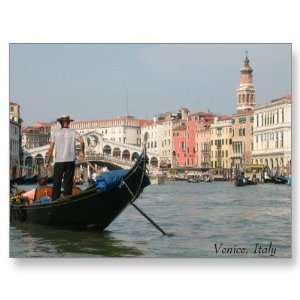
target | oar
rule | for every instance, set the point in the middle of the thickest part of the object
(149, 219)
(141, 212)
(135, 206)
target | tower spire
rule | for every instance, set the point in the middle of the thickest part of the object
(246, 61)
(246, 91)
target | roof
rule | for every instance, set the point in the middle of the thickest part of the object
(288, 97)
(284, 99)
(224, 117)
(202, 114)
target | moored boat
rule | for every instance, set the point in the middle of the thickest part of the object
(89, 208)
(242, 181)
(280, 179)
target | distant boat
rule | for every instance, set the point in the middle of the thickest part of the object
(280, 179)
(179, 178)
(28, 180)
(18, 180)
(242, 181)
(193, 180)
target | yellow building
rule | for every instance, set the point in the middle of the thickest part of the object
(221, 144)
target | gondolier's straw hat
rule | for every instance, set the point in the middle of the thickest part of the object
(64, 118)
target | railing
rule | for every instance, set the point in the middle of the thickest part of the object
(107, 158)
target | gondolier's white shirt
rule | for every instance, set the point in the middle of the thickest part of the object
(64, 144)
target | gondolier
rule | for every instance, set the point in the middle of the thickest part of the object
(63, 140)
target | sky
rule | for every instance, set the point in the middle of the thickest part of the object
(93, 81)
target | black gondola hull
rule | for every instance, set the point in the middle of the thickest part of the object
(89, 208)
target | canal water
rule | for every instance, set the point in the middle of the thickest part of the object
(204, 219)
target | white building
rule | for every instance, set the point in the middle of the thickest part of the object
(36, 135)
(125, 130)
(160, 135)
(14, 139)
(272, 135)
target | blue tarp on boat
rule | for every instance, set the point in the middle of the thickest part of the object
(109, 180)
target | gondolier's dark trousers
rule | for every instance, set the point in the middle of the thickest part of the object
(63, 170)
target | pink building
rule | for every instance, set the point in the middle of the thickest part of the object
(195, 121)
(179, 145)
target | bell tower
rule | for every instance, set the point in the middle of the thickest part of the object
(246, 92)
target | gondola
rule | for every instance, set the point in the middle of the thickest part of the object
(89, 208)
(280, 179)
(242, 181)
(30, 179)
(18, 180)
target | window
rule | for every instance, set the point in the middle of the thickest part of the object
(242, 132)
(242, 120)
(282, 115)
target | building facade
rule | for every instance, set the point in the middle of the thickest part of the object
(161, 133)
(15, 154)
(272, 135)
(203, 141)
(221, 144)
(179, 145)
(193, 146)
(125, 130)
(36, 135)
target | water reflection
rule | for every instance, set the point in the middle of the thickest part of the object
(38, 241)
